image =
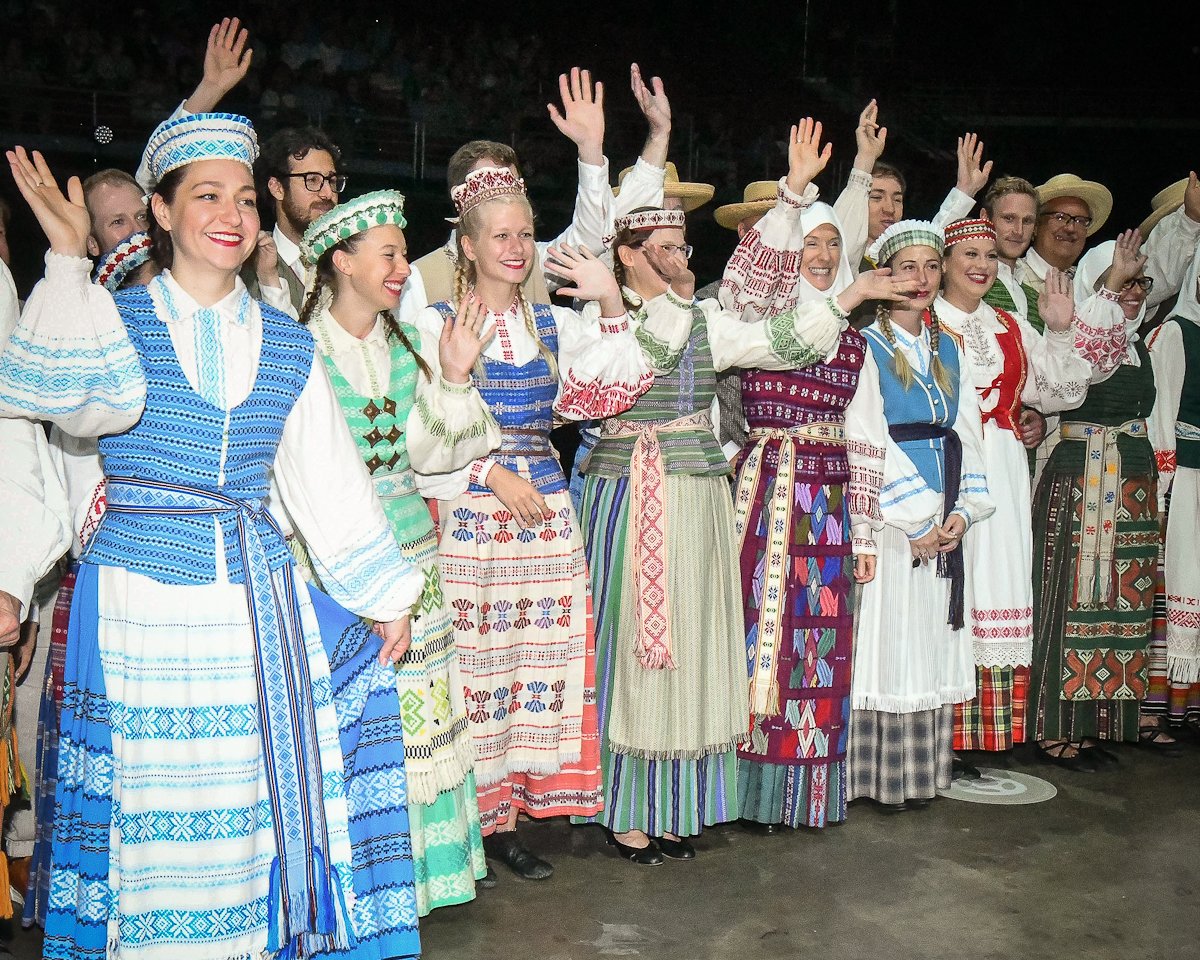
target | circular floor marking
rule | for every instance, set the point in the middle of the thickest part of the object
(1000, 786)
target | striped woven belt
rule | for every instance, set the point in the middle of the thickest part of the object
(529, 442)
(648, 507)
(1101, 499)
(764, 683)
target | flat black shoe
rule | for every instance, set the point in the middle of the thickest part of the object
(506, 848)
(676, 849)
(1101, 755)
(762, 829)
(489, 879)
(900, 807)
(647, 856)
(961, 770)
(917, 803)
(1080, 762)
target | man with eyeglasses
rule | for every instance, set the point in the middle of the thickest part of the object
(1070, 210)
(298, 168)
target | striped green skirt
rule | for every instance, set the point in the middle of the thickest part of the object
(708, 692)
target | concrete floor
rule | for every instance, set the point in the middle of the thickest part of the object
(1107, 870)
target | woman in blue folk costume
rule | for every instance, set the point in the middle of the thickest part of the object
(204, 808)
(409, 403)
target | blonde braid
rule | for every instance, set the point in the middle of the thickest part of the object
(900, 365)
(531, 326)
(941, 375)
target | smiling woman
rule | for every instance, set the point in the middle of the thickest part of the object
(203, 688)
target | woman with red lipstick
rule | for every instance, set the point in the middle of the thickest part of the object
(512, 555)
(408, 401)
(1011, 365)
(1096, 533)
(912, 657)
(202, 779)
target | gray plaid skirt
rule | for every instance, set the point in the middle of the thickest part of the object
(893, 757)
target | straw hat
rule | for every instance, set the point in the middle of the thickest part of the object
(1166, 201)
(757, 199)
(1097, 196)
(693, 195)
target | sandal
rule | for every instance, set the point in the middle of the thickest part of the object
(1154, 737)
(1056, 753)
(1097, 752)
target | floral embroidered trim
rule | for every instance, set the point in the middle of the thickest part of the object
(479, 470)
(783, 342)
(1105, 294)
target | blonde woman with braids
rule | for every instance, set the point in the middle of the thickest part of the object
(912, 657)
(408, 398)
(511, 551)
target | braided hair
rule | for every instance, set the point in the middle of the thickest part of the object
(471, 225)
(325, 285)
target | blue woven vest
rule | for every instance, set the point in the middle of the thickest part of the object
(178, 440)
(522, 401)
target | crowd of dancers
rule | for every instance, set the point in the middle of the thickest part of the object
(340, 615)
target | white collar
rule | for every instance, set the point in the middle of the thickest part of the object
(341, 341)
(234, 307)
(288, 251)
(1038, 267)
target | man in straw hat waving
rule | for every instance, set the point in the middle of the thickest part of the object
(1171, 234)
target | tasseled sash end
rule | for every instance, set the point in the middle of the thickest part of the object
(316, 921)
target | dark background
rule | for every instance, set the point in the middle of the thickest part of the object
(1106, 93)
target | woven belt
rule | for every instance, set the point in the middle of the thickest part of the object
(304, 906)
(395, 485)
(647, 504)
(764, 682)
(1101, 499)
(528, 442)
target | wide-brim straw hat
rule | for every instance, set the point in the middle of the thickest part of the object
(757, 199)
(1096, 195)
(1166, 201)
(693, 195)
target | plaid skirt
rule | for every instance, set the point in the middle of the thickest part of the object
(893, 757)
(995, 719)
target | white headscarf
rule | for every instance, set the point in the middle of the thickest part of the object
(1091, 266)
(811, 218)
(1189, 297)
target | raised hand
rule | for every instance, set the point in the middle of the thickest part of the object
(673, 268)
(582, 117)
(527, 506)
(876, 285)
(397, 636)
(806, 156)
(870, 138)
(226, 58)
(463, 340)
(1191, 198)
(1056, 303)
(652, 101)
(589, 277)
(266, 260)
(64, 220)
(1127, 261)
(973, 173)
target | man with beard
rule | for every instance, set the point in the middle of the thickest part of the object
(299, 168)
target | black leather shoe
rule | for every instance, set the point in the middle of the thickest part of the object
(506, 848)
(762, 829)
(961, 770)
(900, 807)
(917, 803)
(489, 879)
(647, 856)
(676, 849)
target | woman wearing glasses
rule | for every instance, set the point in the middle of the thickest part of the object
(1095, 517)
(659, 522)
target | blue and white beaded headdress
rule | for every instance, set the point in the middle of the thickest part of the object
(200, 136)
